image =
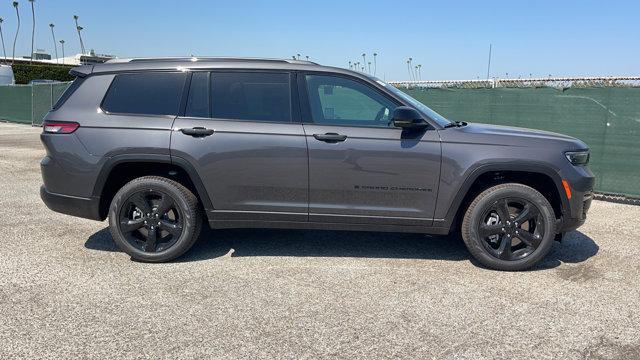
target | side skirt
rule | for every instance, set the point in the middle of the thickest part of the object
(261, 224)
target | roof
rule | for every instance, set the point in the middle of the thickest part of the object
(182, 63)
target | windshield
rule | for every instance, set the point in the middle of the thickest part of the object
(441, 120)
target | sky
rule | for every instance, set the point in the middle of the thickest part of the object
(450, 39)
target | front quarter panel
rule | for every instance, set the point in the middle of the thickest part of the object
(467, 153)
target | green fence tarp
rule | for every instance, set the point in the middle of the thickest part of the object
(607, 119)
(29, 103)
(15, 103)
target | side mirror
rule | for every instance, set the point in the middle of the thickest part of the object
(408, 118)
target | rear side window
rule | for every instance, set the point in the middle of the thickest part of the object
(251, 96)
(145, 93)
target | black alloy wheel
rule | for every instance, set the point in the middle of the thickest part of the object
(151, 221)
(154, 219)
(509, 227)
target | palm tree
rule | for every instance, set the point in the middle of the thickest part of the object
(15, 39)
(55, 45)
(375, 64)
(298, 56)
(419, 72)
(78, 28)
(62, 44)
(33, 28)
(364, 59)
(369, 63)
(349, 65)
(409, 68)
(307, 57)
(2, 38)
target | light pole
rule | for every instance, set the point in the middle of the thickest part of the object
(62, 45)
(55, 45)
(2, 38)
(78, 28)
(375, 64)
(489, 63)
(33, 28)
(13, 55)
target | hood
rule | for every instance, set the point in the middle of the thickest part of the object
(510, 136)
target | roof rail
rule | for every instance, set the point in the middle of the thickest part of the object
(211, 59)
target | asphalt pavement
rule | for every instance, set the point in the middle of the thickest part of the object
(66, 291)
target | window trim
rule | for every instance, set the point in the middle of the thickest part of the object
(305, 103)
(163, 116)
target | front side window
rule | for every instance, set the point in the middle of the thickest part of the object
(337, 100)
(251, 96)
(145, 93)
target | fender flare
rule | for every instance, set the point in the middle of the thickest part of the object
(111, 162)
(479, 169)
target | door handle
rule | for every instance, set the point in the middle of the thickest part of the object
(197, 131)
(330, 137)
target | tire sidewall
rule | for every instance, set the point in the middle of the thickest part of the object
(189, 223)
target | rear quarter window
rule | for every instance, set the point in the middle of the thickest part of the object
(145, 93)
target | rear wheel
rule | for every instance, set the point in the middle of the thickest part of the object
(154, 219)
(509, 227)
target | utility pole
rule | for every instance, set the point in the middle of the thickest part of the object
(489, 65)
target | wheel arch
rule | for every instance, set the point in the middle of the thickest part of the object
(539, 176)
(120, 169)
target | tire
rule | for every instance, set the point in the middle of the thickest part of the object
(505, 240)
(142, 228)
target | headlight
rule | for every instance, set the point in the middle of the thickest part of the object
(578, 157)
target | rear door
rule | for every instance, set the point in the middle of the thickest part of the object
(362, 170)
(241, 133)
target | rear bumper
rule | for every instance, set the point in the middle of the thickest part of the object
(87, 208)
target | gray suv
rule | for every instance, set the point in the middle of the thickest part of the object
(158, 146)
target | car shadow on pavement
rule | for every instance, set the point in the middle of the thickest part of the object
(576, 247)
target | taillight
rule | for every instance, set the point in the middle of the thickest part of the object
(60, 127)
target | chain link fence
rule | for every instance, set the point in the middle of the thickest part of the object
(29, 103)
(603, 112)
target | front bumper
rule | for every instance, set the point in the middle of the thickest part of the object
(580, 204)
(87, 208)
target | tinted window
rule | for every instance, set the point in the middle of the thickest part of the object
(148, 93)
(251, 96)
(339, 101)
(198, 101)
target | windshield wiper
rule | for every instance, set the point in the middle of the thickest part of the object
(455, 124)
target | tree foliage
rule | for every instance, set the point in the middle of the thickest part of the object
(26, 72)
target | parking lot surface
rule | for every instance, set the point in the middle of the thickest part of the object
(67, 292)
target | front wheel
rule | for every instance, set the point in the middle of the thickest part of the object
(509, 227)
(154, 219)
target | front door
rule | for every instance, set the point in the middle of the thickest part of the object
(239, 133)
(362, 170)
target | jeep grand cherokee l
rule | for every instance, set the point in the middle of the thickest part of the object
(158, 146)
